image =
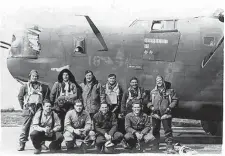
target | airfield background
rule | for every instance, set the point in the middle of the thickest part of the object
(111, 12)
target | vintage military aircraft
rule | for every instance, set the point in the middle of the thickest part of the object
(187, 52)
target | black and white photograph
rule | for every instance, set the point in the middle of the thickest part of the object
(111, 77)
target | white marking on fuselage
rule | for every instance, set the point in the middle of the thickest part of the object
(60, 68)
(155, 41)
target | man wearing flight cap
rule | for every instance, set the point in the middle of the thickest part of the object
(31, 96)
(162, 100)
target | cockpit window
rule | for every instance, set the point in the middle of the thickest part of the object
(164, 25)
(209, 41)
(26, 43)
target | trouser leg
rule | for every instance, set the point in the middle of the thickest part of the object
(147, 140)
(100, 141)
(121, 127)
(37, 137)
(61, 114)
(130, 139)
(68, 136)
(92, 124)
(57, 139)
(26, 128)
(167, 124)
(117, 138)
(156, 124)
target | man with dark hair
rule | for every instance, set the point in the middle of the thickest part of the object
(133, 93)
(112, 94)
(77, 126)
(105, 126)
(162, 100)
(137, 126)
(63, 94)
(46, 126)
(31, 96)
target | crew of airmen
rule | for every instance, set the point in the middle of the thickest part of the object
(93, 115)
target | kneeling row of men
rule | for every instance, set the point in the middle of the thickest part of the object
(93, 96)
(78, 125)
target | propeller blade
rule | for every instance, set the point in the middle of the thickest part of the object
(37, 32)
(5, 43)
(209, 56)
(4, 47)
(96, 32)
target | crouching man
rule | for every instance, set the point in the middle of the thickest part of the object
(105, 125)
(77, 126)
(137, 126)
(46, 126)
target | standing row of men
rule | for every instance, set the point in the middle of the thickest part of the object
(90, 111)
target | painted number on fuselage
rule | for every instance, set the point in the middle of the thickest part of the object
(97, 60)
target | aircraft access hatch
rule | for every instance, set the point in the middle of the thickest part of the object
(161, 43)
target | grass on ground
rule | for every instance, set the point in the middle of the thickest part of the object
(14, 119)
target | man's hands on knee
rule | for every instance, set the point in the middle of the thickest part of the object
(80, 132)
(48, 131)
(77, 131)
(108, 137)
(139, 135)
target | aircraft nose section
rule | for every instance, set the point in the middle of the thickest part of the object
(16, 68)
(12, 66)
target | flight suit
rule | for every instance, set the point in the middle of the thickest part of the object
(106, 123)
(112, 95)
(91, 95)
(61, 104)
(129, 97)
(52, 121)
(141, 124)
(73, 120)
(30, 100)
(161, 102)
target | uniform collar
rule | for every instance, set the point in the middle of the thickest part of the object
(103, 114)
(141, 114)
(79, 114)
(47, 114)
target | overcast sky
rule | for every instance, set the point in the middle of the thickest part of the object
(112, 13)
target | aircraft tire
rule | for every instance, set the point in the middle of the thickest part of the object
(213, 127)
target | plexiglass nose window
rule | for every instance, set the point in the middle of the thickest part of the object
(26, 44)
